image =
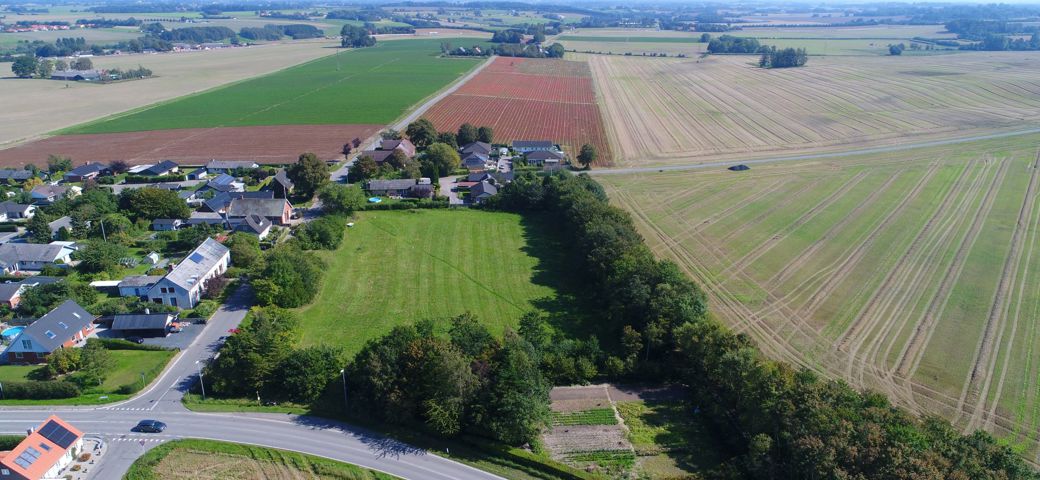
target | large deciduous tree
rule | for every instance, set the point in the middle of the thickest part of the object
(341, 199)
(309, 174)
(467, 134)
(356, 37)
(150, 203)
(363, 169)
(486, 134)
(440, 160)
(587, 155)
(421, 133)
(24, 66)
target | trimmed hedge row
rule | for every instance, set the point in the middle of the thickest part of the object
(33, 390)
(407, 204)
(120, 344)
(155, 179)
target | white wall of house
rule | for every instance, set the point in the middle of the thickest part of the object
(55, 472)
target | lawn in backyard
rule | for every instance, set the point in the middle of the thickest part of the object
(399, 267)
(359, 86)
(128, 366)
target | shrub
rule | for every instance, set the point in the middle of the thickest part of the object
(120, 344)
(204, 310)
(33, 390)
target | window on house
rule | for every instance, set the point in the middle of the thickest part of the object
(49, 334)
(173, 301)
(45, 446)
(27, 344)
(63, 325)
(18, 355)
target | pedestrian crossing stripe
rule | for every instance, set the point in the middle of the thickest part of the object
(125, 409)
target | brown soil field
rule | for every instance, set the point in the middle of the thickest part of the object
(684, 111)
(264, 144)
(30, 108)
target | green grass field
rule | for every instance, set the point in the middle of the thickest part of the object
(398, 267)
(913, 272)
(363, 86)
(668, 441)
(128, 368)
(612, 39)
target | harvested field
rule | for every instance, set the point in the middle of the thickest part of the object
(672, 111)
(268, 144)
(913, 273)
(529, 99)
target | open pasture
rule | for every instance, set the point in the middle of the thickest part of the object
(29, 108)
(874, 32)
(363, 86)
(913, 273)
(687, 111)
(529, 99)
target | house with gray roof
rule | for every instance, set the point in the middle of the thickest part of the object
(256, 225)
(527, 146)
(32, 257)
(546, 158)
(165, 167)
(482, 191)
(58, 224)
(166, 224)
(48, 194)
(11, 292)
(137, 285)
(482, 148)
(16, 211)
(281, 185)
(221, 201)
(277, 210)
(67, 326)
(390, 188)
(85, 172)
(143, 324)
(226, 166)
(15, 175)
(475, 162)
(183, 286)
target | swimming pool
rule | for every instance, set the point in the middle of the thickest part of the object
(11, 332)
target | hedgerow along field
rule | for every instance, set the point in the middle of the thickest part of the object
(358, 86)
(687, 111)
(914, 273)
(529, 99)
(399, 267)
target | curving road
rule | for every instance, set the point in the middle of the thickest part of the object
(162, 401)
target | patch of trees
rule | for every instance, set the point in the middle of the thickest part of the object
(130, 74)
(389, 29)
(150, 203)
(261, 33)
(466, 381)
(288, 276)
(783, 58)
(299, 31)
(996, 43)
(309, 174)
(555, 50)
(63, 47)
(731, 44)
(508, 36)
(356, 37)
(198, 34)
(323, 233)
(781, 422)
(373, 14)
(110, 22)
(337, 199)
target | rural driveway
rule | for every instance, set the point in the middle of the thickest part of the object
(813, 156)
(162, 401)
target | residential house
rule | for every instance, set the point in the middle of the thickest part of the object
(183, 286)
(198, 174)
(11, 292)
(224, 166)
(76, 76)
(137, 285)
(16, 211)
(58, 224)
(206, 218)
(482, 191)
(67, 326)
(15, 175)
(481, 148)
(48, 194)
(85, 172)
(256, 225)
(379, 156)
(32, 257)
(390, 188)
(166, 224)
(277, 210)
(224, 183)
(478, 177)
(528, 146)
(221, 201)
(403, 145)
(163, 168)
(143, 324)
(281, 185)
(191, 197)
(475, 162)
(44, 453)
(544, 158)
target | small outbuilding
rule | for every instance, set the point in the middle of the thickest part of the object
(143, 324)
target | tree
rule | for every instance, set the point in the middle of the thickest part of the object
(390, 134)
(245, 250)
(518, 395)
(587, 155)
(61, 65)
(39, 229)
(486, 135)
(249, 359)
(449, 138)
(44, 68)
(100, 256)
(440, 160)
(62, 361)
(356, 37)
(467, 134)
(397, 159)
(324, 233)
(341, 199)
(309, 174)
(82, 63)
(58, 163)
(118, 166)
(363, 169)
(24, 66)
(471, 336)
(895, 49)
(555, 50)
(95, 362)
(306, 373)
(705, 37)
(293, 275)
(150, 203)
(421, 133)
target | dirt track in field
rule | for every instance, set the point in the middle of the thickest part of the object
(263, 144)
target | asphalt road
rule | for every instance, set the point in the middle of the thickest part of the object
(162, 401)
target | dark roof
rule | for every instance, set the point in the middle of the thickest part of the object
(739, 168)
(425, 190)
(11, 253)
(283, 179)
(475, 160)
(87, 168)
(9, 290)
(229, 165)
(49, 190)
(544, 155)
(167, 221)
(15, 174)
(63, 322)
(264, 207)
(223, 200)
(160, 168)
(477, 147)
(10, 206)
(379, 156)
(478, 177)
(255, 224)
(139, 281)
(483, 188)
(400, 184)
(141, 321)
(533, 144)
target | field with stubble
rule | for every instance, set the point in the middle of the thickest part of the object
(687, 111)
(914, 273)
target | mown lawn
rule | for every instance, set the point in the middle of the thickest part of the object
(130, 367)
(363, 86)
(398, 267)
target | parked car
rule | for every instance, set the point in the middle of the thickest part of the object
(135, 339)
(149, 426)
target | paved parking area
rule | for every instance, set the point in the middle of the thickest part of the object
(178, 340)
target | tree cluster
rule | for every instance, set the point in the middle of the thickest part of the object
(782, 58)
(198, 34)
(508, 36)
(355, 37)
(289, 277)
(731, 44)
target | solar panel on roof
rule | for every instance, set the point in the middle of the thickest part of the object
(57, 434)
(196, 257)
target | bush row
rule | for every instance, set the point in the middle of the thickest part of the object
(154, 179)
(33, 390)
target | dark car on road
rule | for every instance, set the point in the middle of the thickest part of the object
(149, 426)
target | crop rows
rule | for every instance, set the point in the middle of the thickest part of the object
(914, 274)
(596, 416)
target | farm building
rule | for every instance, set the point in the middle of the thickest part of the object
(76, 75)
(183, 286)
(206, 218)
(143, 324)
(67, 326)
(44, 453)
(528, 146)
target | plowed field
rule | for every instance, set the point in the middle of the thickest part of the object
(529, 99)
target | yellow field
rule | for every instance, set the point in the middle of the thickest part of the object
(684, 111)
(29, 108)
(915, 273)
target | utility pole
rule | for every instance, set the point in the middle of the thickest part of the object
(343, 373)
(202, 384)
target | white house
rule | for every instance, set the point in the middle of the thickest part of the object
(183, 286)
(18, 257)
(44, 453)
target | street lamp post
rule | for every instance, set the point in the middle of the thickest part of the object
(202, 384)
(343, 373)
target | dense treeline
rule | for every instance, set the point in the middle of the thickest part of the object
(110, 22)
(261, 33)
(731, 44)
(355, 37)
(783, 58)
(198, 34)
(276, 32)
(782, 422)
(508, 36)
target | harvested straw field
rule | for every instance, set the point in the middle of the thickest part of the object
(529, 99)
(672, 111)
(914, 273)
(265, 144)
